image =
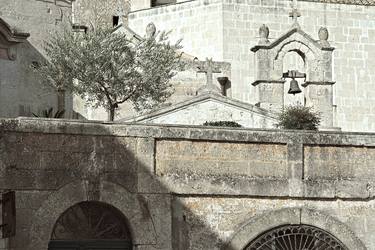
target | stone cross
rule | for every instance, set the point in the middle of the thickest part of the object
(122, 14)
(209, 68)
(295, 14)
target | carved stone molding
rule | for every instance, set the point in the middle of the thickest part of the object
(8, 39)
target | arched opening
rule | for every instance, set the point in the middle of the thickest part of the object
(294, 60)
(91, 225)
(296, 237)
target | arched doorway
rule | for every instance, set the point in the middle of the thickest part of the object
(91, 225)
(296, 237)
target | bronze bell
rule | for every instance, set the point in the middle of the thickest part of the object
(294, 88)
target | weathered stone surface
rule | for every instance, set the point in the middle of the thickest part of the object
(21, 91)
(351, 32)
(187, 162)
(188, 187)
(333, 162)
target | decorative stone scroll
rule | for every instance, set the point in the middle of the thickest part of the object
(8, 39)
(317, 58)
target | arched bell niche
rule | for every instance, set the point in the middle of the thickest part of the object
(91, 225)
(294, 60)
(294, 51)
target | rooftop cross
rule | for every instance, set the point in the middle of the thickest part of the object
(209, 68)
(295, 14)
(121, 13)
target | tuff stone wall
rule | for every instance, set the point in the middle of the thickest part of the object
(226, 30)
(21, 91)
(188, 187)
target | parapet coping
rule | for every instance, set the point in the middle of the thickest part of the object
(183, 132)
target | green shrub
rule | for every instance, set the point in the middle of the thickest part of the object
(298, 117)
(222, 124)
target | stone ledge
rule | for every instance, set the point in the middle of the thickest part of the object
(99, 128)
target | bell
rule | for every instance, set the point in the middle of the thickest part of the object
(294, 88)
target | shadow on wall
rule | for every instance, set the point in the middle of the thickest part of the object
(53, 172)
(23, 91)
(56, 170)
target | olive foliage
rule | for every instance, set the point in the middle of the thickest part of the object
(107, 69)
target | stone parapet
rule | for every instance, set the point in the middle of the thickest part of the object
(191, 160)
(185, 180)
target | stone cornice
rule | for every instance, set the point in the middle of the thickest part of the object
(288, 34)
(9, 36)
(307, 83)
(267, 81)
(60, 126)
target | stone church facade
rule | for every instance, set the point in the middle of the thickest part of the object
(330, 43)
(226, 30)
(143, 186)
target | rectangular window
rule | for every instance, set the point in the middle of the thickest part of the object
(115, 20)
(155, 3)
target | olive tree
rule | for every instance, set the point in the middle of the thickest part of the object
(107, 69)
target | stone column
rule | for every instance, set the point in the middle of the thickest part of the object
(319, 87)
(320, 96)
(269, 90)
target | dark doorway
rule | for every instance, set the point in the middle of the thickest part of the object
(91, 226)
(115, 21)
(90, 245)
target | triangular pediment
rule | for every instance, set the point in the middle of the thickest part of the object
(209, 107)
(130, 34)
(283, 38)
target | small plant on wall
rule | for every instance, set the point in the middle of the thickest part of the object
(298, 117)
(222, 124)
